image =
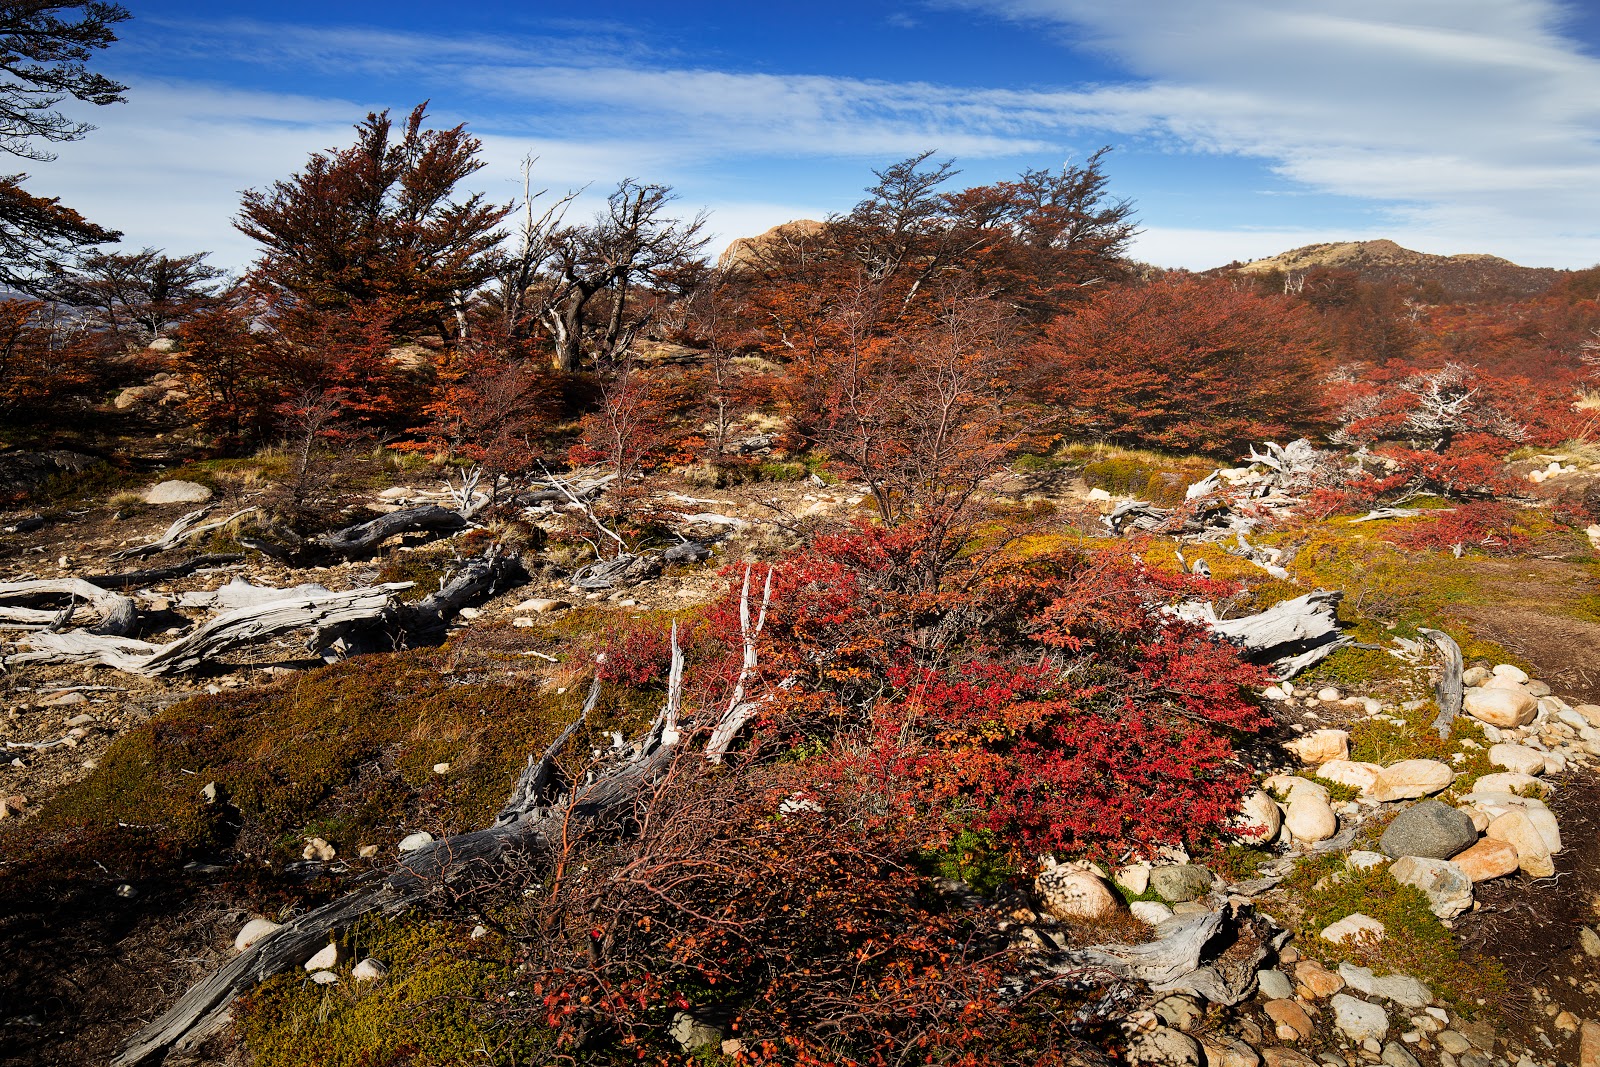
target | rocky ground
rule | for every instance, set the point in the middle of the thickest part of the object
(1387, 868)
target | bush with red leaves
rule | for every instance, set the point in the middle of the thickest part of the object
(630, 655)
(1485, 525)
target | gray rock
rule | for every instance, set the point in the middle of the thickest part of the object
(1180, 883)
(1452, 1042)
(1162, 1047)
(1179, 1012)
(692, 1033)
(1431, 829)
(1357, 1019)
(1448, 888)
(176, 492)
(1275, 985)
(1400, 988)
(688, 552)
(1395, 1055)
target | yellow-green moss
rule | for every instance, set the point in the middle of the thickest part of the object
(1325, 890)
(429, 1010)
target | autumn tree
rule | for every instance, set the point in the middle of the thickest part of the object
(381, 223)
(141, 294)
(44, 53)
(1183, 363)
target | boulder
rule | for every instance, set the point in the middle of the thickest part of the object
(1410, 779)
(1135, 878)
(177, 492)
(1431, 829)
(1259, 819)
(1400, 988)
(1508, 782)
(1309, 817)
(1072, 894)
(1354, 927)
(1487, 859)
(1518, 758)
(1346, 772)
(1517, 830)
(1509, 673)
(1448, 887)
(1320, 746)
(1179, 1011)
(253, 931)
(1359, 1020)
(1180, 882)
(1164, 1047)
(1505, 708)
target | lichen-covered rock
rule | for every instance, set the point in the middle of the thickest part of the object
(1429, 828)
(1180, 882)
(1448, 887)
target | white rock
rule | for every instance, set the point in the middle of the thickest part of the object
(327, 956)
(1518, 758)
(253, 931)
(399, 492)
(1329, 695)
(1309, 817)
(1448, 887)
(1150, 912)
(1363, 860)
(441, 768)
(1289, 785)
(369, 970)
(1410, 779)
(1259, 819)
(325, 978)
(1507, 782)
(1321, 746)
(177, 492)
(1273, 692)
(412, 842)
(1354, 926)
(318, 849)
(1503, 708)
(1099, 495)
(541, 606)
(1507, 671)
(1135, 878)
(1359, 1020)
(1360, 776)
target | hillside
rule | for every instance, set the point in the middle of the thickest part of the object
(1469, 276)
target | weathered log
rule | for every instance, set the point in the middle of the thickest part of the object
(1292, 634)
(135, 579)
(239, 593)
(228, 630)
(118, 613)
(1449, 691)
(186, 528)
(482, 577)
(624, 570)
(363, 539)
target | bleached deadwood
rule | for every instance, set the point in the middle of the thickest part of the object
(233, 628)
(363, 539)
(118, 614)
(1136, 515)
(1449, 690)
(582, 503)
(540, 810)
(1291, 635)
(478, 578)
(711, 518)
(740, 710)
(624, 570)
(185, 528)
(239, 593)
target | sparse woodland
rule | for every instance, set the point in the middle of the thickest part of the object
(497, 633)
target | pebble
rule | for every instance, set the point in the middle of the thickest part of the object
(325, 978)
(253, 931)
(1353, 927)
(1274, 984)
(1290, 1020)
(1395, 1055)
(327, 956)
(412, 842)
(369, 970)
(1590, 941)
(441, 768)
(318, 849)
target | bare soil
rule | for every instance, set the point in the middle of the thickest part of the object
(1534, 611)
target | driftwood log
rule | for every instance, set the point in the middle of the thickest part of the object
(185, 529)
(1291, 635)
(118, 614)
(539, 811)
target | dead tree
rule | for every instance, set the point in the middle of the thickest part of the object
(118, 614)
(185, 529)
(1449, 690)
(1291, 635)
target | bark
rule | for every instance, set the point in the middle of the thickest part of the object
(135, 579)
(1449, 689)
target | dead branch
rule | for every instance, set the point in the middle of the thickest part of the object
(364, 538)
(186, 528)
(1449, 690)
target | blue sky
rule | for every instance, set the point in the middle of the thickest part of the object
(1239, 127)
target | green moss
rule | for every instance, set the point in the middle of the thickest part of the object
(1413, 736)
(344, 752)
(1238, 863)
(429, 1010)
(975, 857)
(1325, 890)
(1134, 475)
(1338, 792)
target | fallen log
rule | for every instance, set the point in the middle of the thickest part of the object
(1291, 634)
(186, 528)
(118, 613)
(363, 539)
(148, 576)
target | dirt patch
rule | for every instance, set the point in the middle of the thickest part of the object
(1533, 928)
(1532, 610)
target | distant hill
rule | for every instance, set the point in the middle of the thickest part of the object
(1462, 277)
